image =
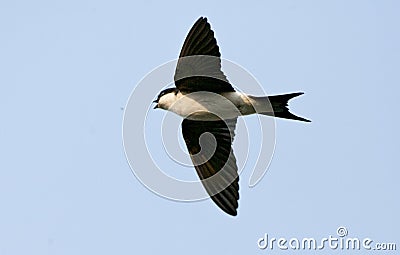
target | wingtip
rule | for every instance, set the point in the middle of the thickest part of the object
(202, 18)
(233, 213)
(229, 208)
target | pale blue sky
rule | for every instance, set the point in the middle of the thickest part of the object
(67, 67)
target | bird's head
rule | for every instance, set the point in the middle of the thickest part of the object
(166, 98)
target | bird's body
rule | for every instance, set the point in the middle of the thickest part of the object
(209, 104)
(205, 105)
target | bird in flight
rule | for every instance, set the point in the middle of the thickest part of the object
(210, 107)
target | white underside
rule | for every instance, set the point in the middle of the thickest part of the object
(207, 105)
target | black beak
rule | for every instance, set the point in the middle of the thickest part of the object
(156, 106)
(156, 102)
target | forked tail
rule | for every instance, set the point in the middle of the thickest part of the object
(279, 104)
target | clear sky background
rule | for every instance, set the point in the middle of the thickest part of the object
(67, 68)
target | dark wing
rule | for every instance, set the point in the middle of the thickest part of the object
(213, 158)
(199, 63)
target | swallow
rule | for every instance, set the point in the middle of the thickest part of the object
(210, 107)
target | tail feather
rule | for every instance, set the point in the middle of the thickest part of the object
(279, 104)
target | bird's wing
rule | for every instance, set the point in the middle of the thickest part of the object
(199, 63)
(213, 158)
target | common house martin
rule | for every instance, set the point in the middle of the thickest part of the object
(210, 107)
